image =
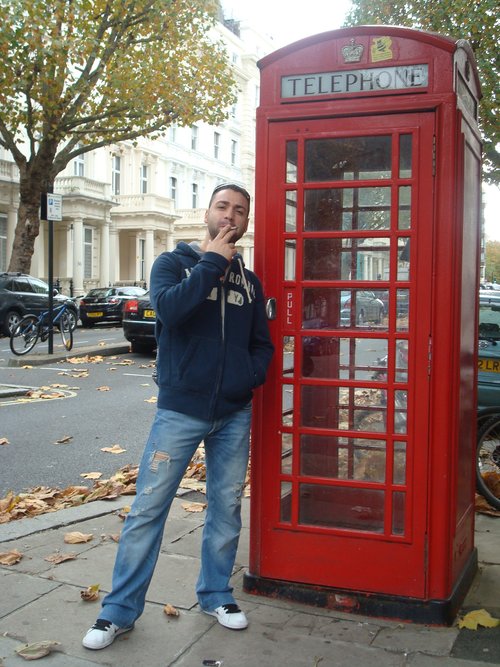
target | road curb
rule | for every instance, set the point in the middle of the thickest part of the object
(42, 359)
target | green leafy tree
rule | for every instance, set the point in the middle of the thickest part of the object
(474, 20)
(76, 75)
(492, 260)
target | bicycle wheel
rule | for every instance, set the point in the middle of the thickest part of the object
(66, 331)
(488, 460)
(24, 335)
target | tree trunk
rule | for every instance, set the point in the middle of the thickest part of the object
(34, 178)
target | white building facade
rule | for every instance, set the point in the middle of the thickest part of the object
(125, 204)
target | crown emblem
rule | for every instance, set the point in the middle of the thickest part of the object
(352, 52)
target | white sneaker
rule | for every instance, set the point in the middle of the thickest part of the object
(102, 634)
(230, 616)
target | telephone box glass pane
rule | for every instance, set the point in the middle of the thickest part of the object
(401, 369)
(403, 258)
(338, 507)
(405, 156)
(404, 208)
(331, 308)
(287, 405)
(288, 355)
(399, 466)
(400, 411)
(291, 211)
(344, 358)
(286, 453)
(344, 408)
(338, 457)
(343, 209)
(398, 515)
(286, 502)
(352, 158)
(346, 259)
(291, 162)
(403, 309)
(290, 258)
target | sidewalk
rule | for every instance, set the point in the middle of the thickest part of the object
(41, 601)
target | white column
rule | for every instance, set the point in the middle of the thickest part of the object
(78, 256)
(114, 254)
(104, 264)
(149, 252)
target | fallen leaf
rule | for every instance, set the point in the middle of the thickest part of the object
(194, 507)
(77, 537)
(60, 558)
(91, 475)
(101, 344)
(37, 650)
(10, 557)
(91, 594)
(153, 399)
(26, 366)
(170, 610)
(115, 449)
(65, 439)
(478, 617)
(104, 388)
(4, 441)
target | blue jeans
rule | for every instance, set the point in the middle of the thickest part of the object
(172, 442)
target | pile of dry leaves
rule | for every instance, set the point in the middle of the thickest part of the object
(43, 499)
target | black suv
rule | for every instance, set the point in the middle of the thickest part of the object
(21, 295)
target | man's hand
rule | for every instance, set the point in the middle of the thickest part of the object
(223, 243)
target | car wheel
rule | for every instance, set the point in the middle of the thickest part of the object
(88, 324)
(12, 319)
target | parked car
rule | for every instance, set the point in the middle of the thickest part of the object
(488, 388)
(138, 324)
(21, 294)
(368, 308)
(105, 304)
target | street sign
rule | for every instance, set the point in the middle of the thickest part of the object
(54, 207)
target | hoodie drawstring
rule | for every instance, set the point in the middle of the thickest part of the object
(245, 284)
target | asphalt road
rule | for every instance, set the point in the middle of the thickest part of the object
(102, 404)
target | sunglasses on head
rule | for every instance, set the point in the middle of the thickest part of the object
(231, 186)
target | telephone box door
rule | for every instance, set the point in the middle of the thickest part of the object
(347, 254)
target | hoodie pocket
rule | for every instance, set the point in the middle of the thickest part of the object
(238, 379)
(197, 368)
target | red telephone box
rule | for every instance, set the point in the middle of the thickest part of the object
(367, 241)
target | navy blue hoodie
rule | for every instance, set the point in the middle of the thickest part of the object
(213, 340)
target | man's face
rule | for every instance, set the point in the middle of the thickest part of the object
(228, 207)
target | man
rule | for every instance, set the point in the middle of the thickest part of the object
(213, 350)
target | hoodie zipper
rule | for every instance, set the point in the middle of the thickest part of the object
(223, 339)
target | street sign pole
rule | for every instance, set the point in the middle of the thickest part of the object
(51, 209)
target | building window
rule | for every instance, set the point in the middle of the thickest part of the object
(79, 165)
(87, 252)
(3, 243)
(216, 145)
(173, 189)
(194, 195)
(142, 259)
(234, 152)
(115, 174)
(173, 133)
(194, 138)
(144, 179)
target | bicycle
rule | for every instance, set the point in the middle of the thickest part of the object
(26, 333)
(488, 454)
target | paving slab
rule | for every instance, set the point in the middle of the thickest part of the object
(19, 590)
